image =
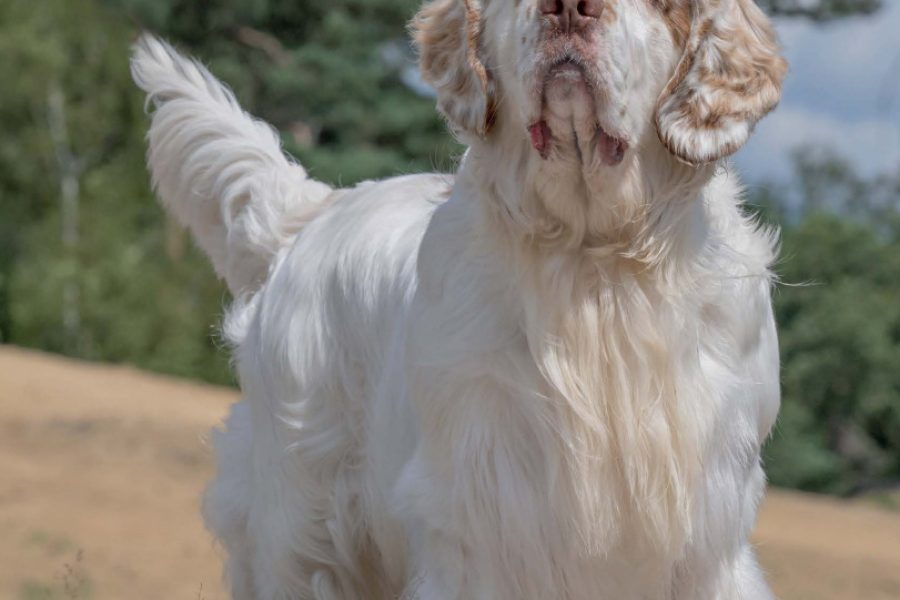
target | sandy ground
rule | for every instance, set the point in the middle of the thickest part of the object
(102, 468)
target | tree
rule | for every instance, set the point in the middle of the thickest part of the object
(72, 119)
(329, 75)
(819, 10)
(118, 285)
(839, 328)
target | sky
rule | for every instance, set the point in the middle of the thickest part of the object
(842, 92)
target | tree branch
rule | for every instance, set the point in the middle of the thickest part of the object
(819, 10)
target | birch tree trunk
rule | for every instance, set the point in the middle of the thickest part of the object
(70, 169)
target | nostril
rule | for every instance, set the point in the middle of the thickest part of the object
(551, 7)
(590, 8)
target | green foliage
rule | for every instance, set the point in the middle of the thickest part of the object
(130, 298)
(839, 319)
(113, 280)
(328, 74)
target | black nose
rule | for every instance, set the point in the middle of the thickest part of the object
(572, 13)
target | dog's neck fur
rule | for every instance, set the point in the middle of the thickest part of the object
(611, 258)
(636, 210)
(645, 209)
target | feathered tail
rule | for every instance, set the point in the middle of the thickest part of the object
(221, 172)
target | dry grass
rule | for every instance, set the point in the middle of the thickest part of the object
(103, 468)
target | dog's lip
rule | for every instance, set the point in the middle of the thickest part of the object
(611, 143)
(567, 66)
(611, 149)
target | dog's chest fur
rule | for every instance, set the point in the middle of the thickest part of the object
(590, 395)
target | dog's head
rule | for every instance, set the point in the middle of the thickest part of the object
(594, 78)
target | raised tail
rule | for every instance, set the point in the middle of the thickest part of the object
(221, 172)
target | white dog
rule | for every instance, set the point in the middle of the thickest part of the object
(546, 377)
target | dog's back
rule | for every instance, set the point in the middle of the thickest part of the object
(322, 278)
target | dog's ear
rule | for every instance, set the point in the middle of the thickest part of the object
(728, 78)
(447, 33)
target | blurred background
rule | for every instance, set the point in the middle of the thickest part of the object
(91, 269)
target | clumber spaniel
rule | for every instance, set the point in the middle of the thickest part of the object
(548, 376)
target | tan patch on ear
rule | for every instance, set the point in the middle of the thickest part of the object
(447, 33)
(609, 15)
(677, 15)
(728, 78)
(473, 35)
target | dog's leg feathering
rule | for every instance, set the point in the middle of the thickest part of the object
(221, 172)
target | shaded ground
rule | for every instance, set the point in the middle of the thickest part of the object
(101, 471)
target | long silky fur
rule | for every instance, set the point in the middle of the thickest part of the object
(540, 378)
(218, 170)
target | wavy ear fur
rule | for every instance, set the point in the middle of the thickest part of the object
(447, 34)
(728, 78)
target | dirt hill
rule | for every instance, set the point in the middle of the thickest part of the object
(101, 471)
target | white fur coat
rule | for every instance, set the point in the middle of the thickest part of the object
(548, 376)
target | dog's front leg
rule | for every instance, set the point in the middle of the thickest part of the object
(720, 562)
(737, 576)
(477, 488)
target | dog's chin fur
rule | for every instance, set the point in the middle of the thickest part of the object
(506, 385)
